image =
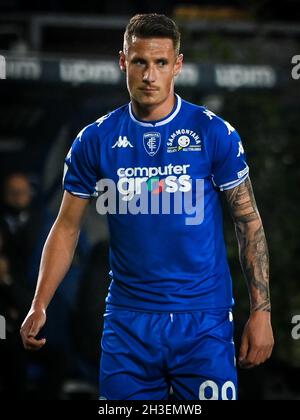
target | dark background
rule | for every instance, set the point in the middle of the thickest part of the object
(39, 120)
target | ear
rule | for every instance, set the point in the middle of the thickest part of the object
(178, 64)
(122, 61)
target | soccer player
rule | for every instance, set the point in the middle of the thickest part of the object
(168, 319)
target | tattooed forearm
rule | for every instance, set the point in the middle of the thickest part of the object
(253, 248)
(255, 262)
(242, 202)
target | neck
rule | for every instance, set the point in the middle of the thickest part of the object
(154, 112)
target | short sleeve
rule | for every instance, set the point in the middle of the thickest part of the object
(81, 172)
(229, 165)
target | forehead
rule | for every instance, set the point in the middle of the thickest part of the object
(147, 47)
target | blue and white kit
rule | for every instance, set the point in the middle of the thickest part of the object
(168, 321)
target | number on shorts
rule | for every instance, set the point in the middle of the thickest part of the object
(215, 390)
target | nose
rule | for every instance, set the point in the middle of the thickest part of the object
(149, 75)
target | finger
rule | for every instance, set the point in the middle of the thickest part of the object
(250, 360)
(34, 330)
(264, 355)
(25, 327)
(246, 365)
(32, 348)
(33, 344)
(24, 333)
(243, 349)
(257, 359)
(260, 357)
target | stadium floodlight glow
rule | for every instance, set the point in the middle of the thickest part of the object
(2, 67)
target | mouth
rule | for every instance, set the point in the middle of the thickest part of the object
(149, 89)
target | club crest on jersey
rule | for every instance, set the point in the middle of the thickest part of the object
(151, 143)
(184, 140)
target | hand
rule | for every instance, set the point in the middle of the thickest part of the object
(257, 340)
(31, 326)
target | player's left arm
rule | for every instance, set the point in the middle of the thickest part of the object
(257, 340)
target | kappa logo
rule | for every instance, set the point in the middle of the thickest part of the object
(229, 127)
(122, 142)
(151, 143)
(101, 119)
(211, 114)
(241, 150)
(184, 140)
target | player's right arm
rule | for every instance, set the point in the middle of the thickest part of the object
(56, 259)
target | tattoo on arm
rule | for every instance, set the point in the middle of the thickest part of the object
(253, 248)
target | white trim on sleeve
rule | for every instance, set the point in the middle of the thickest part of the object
(81, 195)
(233, 184)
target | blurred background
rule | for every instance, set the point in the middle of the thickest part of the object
(61, 65)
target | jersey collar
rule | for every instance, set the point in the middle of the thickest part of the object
(158, 123)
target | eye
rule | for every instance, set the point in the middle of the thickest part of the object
(162, 63)
(138, 62)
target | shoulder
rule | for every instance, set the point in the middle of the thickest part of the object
(105, 124)
(209, 123)
(109, 121)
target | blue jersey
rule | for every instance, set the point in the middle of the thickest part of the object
(163, 257)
